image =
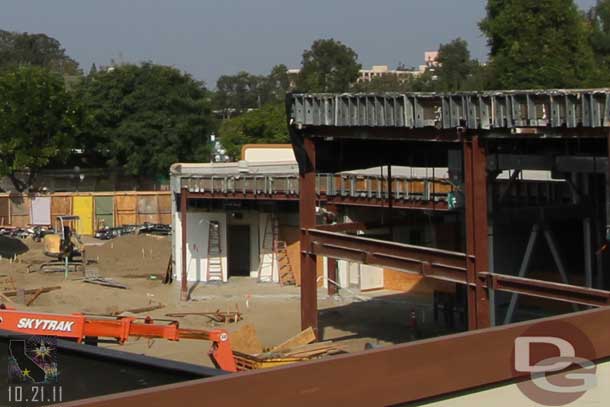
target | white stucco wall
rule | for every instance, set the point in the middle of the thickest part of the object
(198, 225)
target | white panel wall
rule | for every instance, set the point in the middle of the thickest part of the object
(198, 225)
(371, 277)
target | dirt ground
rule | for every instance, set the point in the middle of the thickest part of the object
(351, 318)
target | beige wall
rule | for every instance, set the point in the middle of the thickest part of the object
(271, 153)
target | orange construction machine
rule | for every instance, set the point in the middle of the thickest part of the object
(83, 328)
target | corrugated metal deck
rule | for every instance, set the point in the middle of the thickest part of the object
(470, 110)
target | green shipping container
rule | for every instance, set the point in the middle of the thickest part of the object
(104, 211)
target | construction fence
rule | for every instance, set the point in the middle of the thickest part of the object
(96, 209)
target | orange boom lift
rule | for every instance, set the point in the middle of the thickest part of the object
(82, 328)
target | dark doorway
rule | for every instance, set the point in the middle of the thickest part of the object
(239, 250)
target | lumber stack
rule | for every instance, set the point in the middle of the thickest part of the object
(297, 349)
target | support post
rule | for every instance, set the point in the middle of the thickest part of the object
(332, 276)
(184, 295)
(586, 230)
(477, 241)
(307, 214)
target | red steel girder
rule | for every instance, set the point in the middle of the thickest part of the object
(307, 219)
(546, 289)
(434, 263)
(421, 370)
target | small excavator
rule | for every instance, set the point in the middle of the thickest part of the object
(65, 245)
(83, 328)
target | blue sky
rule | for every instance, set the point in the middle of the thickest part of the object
(211, 37)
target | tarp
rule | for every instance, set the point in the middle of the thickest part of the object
(40, 210)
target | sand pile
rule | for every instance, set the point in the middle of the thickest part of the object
(131, 256)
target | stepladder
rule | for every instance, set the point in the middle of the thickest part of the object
(283, 262)
(214, 263)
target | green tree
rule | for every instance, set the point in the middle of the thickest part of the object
(143, 118)
(264, 125)
(236, 94)
(386, 83)
(35, 49)
(455, 67)
(538, 44)
(599, 16)
(328, 66)
(38, 122)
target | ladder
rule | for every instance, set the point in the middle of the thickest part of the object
(268, 255)
(214, 266)
(284, 266)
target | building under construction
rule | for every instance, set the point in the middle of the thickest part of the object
(529, 207)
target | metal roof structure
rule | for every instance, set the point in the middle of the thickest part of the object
(589, 108)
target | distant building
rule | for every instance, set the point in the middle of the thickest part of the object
(379, 71)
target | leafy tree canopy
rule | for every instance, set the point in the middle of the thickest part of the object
(236, 94)
(143, 118)
(538, 44)
(457, 71)
(328, 66)
(38, 122)
(264, 125)
(599, 17)
(35, 49)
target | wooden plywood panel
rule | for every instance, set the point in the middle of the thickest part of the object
(291, 236)
(4, 211)
(83, 208)
(20, 210)
(413, 283)
(125, 209)
(165, 208)
(61, 205)
(148, 209)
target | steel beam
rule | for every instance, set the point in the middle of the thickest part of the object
(608, 194)
(307, 214)
(395, 375)
(374, 202)
(184, 195)
(342, 227)
(546, 289)
(477, 240)
(429, 262)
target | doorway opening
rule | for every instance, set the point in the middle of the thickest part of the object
(238, 250)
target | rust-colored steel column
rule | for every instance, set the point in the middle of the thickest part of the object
(477, 243)
(184, 294)
(608, 194)
(332, 276)
(307, 214)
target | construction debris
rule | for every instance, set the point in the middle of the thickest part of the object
(106, 282)
(296, 349)
(217, 316)
(20, 294)
(302, 338)
(138, 310)
(246, 341)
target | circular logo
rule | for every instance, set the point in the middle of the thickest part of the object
(557, 356)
